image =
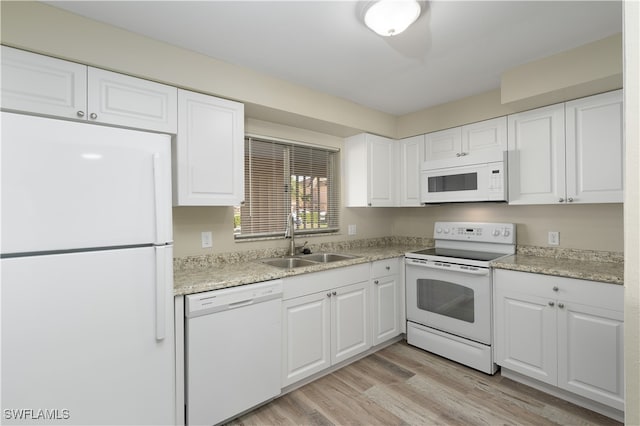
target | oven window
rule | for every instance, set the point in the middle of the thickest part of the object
(449, 183)
(445, 298)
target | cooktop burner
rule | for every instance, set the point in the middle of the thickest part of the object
(469, 243)
(459, 254)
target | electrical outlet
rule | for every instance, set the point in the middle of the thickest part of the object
(352, 230)
(207, 239)
(554, 238)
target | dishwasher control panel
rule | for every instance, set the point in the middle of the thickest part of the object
(231, 298)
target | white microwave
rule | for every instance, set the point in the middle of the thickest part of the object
(476, 177)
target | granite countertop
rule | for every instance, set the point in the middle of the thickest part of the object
(205, 273)
(215, 274)
(605, 267)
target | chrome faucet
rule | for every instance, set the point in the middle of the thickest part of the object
(291, 233)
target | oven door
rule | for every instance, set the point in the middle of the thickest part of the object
(452, 298)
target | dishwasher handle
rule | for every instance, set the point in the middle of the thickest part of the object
(231, 298)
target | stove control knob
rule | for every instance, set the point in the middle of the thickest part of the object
(506, 232)
(446, 230)
(496, 232)
(438, 230)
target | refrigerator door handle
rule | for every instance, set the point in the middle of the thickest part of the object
(159, 201)
(161, 281)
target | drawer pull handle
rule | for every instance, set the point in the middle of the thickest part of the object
(555, 288)
(560, 305)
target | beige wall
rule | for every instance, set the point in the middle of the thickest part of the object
(593, 227)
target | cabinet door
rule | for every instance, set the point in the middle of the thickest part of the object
(443, 144)
(350, 332)
(526, 335)
(132, 102)
(381, 172)
(485, 135)
(537, 156)
(306, 343)
(595, 148)
(386, 307)
(43, 85)
(411, 154)
(590, 353)
(209, 163)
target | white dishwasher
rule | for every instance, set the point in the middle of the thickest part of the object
(233, 350)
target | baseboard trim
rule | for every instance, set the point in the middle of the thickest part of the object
(605, 410)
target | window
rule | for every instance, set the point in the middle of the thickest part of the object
(283, 178)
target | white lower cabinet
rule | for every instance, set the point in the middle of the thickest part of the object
(563, 332)
(326, 320)
(386, 311)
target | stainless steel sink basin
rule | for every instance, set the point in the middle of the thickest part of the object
(291, 262)
(288, 262)
(328, 257)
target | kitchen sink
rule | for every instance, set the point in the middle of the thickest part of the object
(328, 257)
(290, 262)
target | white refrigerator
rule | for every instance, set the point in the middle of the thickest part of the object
(87, 277)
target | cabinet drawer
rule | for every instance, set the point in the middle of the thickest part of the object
(380, 268)
(302, 285)
(590, 293)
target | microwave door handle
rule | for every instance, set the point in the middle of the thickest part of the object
(481, 271)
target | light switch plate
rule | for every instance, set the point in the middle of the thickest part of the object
(352, 229)
(207, 239)
(554, 238)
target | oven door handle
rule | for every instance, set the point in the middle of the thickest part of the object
(456, 268)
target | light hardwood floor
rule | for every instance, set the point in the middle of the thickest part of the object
(403, 385)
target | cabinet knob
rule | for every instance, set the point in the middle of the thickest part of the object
(458, 154)
(334, 293)
(560, 305)
(93, 116)
(376, 282)
(369, 204)
(328, 294)
(551, 304)
(561, 200)
(388, 268)
(555, 288)
(570, 200)
(80, 114)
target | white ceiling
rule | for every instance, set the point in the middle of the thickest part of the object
(455, 49)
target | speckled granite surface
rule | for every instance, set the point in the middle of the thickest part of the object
(203, 273)
(592, 265)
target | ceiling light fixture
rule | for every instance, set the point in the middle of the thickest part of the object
(391, 17)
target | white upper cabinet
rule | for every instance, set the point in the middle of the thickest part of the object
(369, 171)
(485, 135)
(443, 144)
(595, 149)
(209, 151)
(568, 153)
(466, 140)
(410, 157)
(43, 85)
(48, 86)
(537, 156)
(132, 102)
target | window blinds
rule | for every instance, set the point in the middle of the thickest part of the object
(283, 178)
